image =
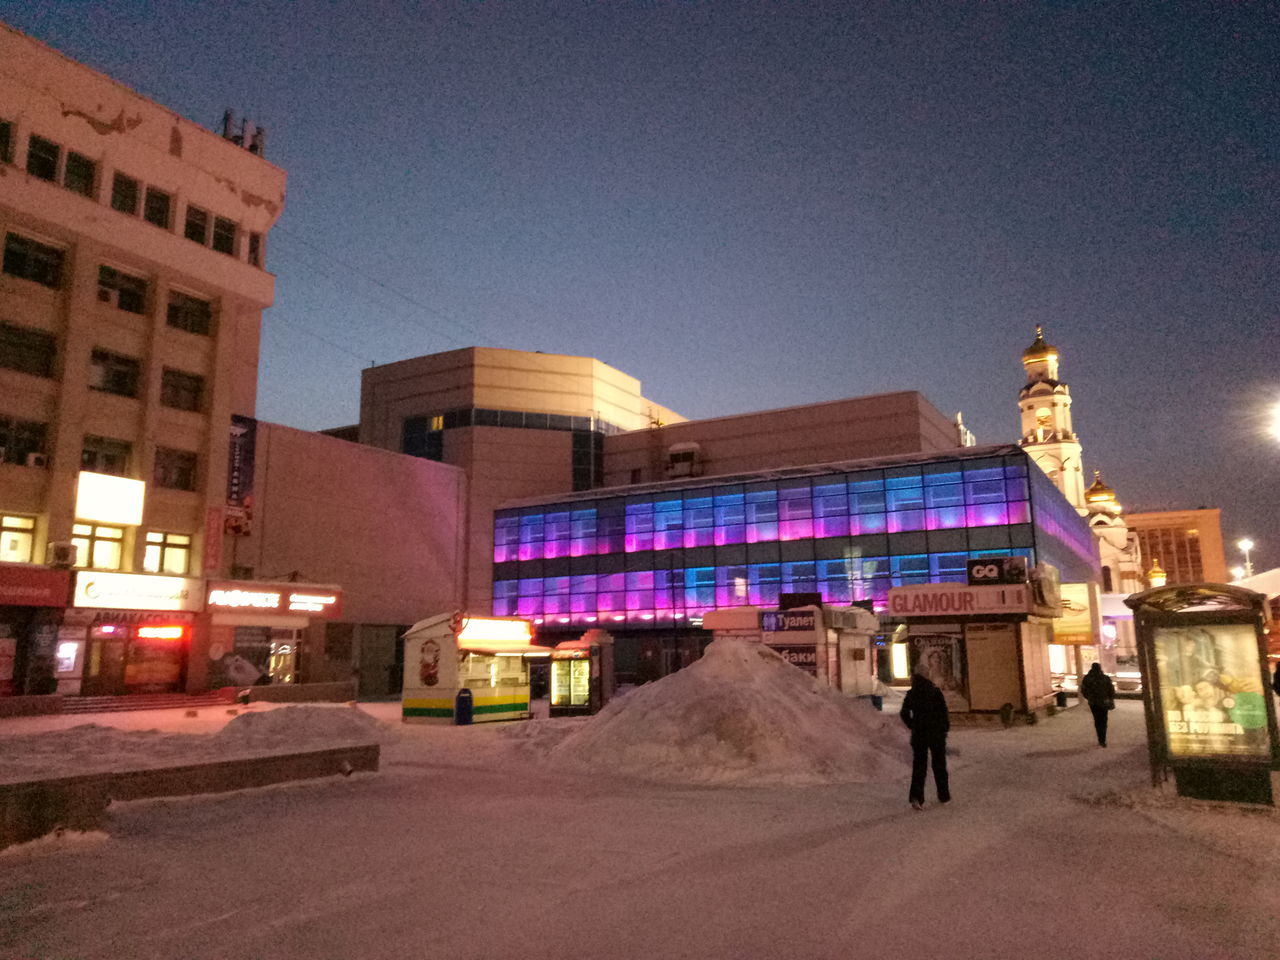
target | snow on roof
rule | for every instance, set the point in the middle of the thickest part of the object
(740, 716)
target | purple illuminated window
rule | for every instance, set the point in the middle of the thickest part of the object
(1020, 511)
(906, 520)
(944, 518)
(831, 527)
(867, 523)
(736, 533)
(795, 529)
(700, 537)
(988, 514)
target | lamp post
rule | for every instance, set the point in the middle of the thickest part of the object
(1245, 545)
(1237, 573)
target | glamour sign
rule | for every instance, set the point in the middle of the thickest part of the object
(957, 600)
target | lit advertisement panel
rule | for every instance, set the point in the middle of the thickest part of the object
(1212, 699)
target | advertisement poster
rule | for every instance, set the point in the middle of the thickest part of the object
(940, 657)
(1211, 691)
(244, 436)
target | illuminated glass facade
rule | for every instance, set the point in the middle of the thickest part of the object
(661, 555)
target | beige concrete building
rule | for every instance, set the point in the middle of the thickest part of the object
(1186, 543)
(857, 428)
(518, 423)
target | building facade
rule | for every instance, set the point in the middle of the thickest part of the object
(1186, 543)
(646, 562)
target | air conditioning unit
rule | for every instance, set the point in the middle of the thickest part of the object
(62, 553)
(40, 460)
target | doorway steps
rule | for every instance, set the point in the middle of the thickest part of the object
(142, 701)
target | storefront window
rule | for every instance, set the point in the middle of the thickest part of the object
(17, 537)
(167, 553)
(99, 547)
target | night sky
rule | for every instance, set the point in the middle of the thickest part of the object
(752, 205)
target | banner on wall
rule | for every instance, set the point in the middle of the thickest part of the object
(940, 657)
(1211, 692)
(243, 441)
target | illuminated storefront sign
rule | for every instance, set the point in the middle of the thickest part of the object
(104, 498)
(273, 598)
(135, 591)
(25, 586)
(780, 621)
(949, 599)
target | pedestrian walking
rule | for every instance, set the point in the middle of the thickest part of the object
(1100, 693)
(924, 711)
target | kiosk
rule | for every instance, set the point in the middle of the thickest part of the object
(464, 669)
(582, 674)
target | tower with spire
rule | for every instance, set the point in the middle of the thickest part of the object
(1047, 434)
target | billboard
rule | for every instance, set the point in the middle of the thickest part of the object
(940, 657)
(1212, 700)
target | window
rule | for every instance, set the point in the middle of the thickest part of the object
(182, 391)
(30, 260)
(175, 469)
(124, 194)
(197, 227)
(17, 539)
(121, 290)
(80, 175)
(104, 455)
(98, 546)
(190, 313)
(155, 207)
(27, 351)
(167, 553)
(113, 373)
(255, 249)
(224, 235)
(6, 141)
(22, 441)
(42, 158)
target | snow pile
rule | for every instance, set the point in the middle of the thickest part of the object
(304, 724)
(741, 715)
(91, 748)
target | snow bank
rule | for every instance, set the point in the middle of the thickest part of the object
(305, 724)
(739, 716)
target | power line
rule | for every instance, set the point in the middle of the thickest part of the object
(276, 316)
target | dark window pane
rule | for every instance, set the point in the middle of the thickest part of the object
(121, 290)
(42, 158)
(156, 207)
(197, 227)
(255, 249)
(175, 469)
(22, 441)
(224, 235)
(28, 351)
(124, 194)
(104, 455)
(32, 261)
(113, 373)
(190, 313)
(6, 141)
(182, 391)
(80, 174)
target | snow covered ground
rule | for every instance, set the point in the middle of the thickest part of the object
(478, 842)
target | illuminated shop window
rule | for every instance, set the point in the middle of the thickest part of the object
(167, 553)
(17, 538)
(99, 547)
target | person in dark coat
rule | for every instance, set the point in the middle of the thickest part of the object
(924, 711)
(1100, 693)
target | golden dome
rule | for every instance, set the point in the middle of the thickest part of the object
(1039, 350)
(1098, 491)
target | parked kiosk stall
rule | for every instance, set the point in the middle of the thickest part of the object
(582, 674)
(1211, 719)
(463, 669)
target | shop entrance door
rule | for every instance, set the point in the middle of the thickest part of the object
(104, 667)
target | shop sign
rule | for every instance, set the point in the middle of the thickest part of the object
(988, 570)
(240, 465)
(244, 596)
(802, 655)
(135, 591)
(22, 586)
(951, 600)
(787, 621)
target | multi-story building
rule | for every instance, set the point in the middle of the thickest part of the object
(518, 423)
(1186, 543)
(131, 296)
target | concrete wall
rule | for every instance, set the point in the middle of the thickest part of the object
(851, 429)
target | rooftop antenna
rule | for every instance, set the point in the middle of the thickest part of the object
(228, 118)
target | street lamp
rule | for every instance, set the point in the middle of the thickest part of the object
(1237, 573)
(1245, 545)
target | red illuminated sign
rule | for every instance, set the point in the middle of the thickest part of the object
(251, 596)
(33, 586)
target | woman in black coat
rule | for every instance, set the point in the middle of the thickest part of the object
(1100, 693)
(924, 711)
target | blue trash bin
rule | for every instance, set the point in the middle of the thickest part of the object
(462, 704)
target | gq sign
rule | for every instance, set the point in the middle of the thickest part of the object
(985, 570)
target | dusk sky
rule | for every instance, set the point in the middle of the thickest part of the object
(754, 205)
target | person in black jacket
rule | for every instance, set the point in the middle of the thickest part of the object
(1100, 693)
(924, 711)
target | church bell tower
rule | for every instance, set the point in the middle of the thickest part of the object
(1047, 435)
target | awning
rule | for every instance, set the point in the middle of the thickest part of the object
(505, 650)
